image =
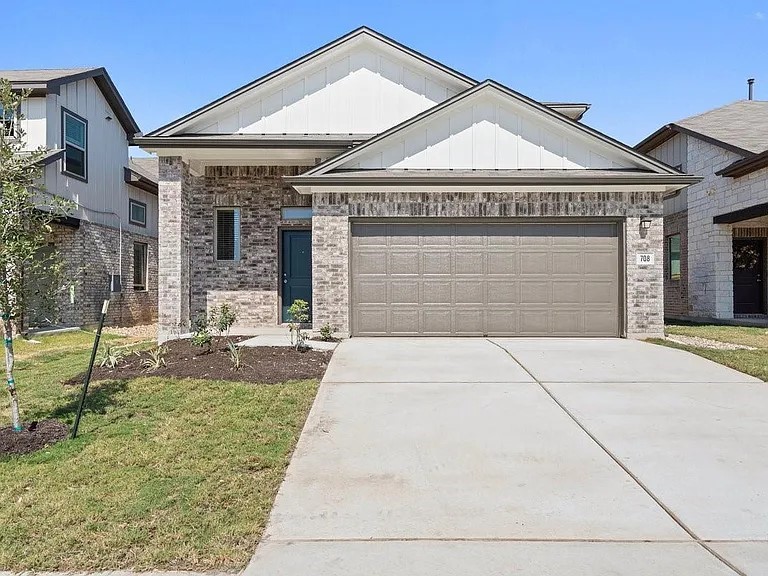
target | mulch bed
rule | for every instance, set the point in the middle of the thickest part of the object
(34, 436)
(264, 364)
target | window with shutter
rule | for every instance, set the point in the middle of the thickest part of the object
(75, 145)
(228, 233)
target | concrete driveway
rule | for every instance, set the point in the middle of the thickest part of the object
(441, 457)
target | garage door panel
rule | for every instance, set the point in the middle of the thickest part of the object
(502, 279)
(469, 263)
(437, 263)
(437, 322)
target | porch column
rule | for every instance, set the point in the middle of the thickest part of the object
(645, 282)
(721, 250)
(330, 262)
(173, 248)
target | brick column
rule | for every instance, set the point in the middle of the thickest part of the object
(330, 262)
(645, 283)
(173, 248)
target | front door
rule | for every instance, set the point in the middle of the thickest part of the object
(748, 272)
(296, 266)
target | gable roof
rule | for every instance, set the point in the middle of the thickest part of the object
(49, 80)
(637, 159)
(741, 127)
(143, 173)
(363, 31)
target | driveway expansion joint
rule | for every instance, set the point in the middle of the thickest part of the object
(612, 456)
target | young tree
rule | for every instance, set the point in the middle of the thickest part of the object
(26, 215)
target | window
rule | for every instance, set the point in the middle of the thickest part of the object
(139, 266)
(673, 245)
(7, 122)
(137, 213)
(296, 213)
(75, 145)
(228, 234)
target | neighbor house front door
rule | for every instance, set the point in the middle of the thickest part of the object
(748, 273)
(296, 263)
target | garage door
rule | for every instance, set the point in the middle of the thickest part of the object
(475, 279)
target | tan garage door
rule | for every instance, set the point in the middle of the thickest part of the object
(475, 279)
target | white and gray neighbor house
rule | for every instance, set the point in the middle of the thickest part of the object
(716, 230)
(79, 116)
(401, 197)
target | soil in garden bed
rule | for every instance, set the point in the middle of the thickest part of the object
(264, 364)
(33, 437)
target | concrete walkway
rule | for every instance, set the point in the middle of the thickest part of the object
(527, 457)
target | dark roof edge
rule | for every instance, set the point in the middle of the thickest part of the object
(463, 180)
(201, 142)
(745, 166)
(669, 130)
(755, 211)
(332, 162)
(105, 84)
(306, 58)
(133, 178)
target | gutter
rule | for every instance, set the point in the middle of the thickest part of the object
(197, 142)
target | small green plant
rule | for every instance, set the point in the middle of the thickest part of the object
(201, 337)
(235, 355)
(222, 318)
(155, 358)
(299, 313)
(111, 356)
(326, 332)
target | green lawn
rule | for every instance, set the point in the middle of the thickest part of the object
(753, 362)
(166, 474)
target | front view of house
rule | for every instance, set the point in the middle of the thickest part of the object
(400, 197)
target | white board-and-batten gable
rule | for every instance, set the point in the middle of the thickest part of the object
(362, 83)
(490, 127)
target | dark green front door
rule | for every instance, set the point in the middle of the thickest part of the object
(296, 269)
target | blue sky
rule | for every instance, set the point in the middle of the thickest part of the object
(640, 64)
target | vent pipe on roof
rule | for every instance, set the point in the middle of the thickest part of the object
(750, 87)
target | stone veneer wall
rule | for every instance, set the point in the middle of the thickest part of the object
(676, 290)
(330, 238)
(710, 246)
(89, 255)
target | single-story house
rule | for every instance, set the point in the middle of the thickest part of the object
(401, 197)
(716, 230)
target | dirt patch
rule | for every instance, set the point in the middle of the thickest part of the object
(263, 364)
(700, 342)
(33, 437)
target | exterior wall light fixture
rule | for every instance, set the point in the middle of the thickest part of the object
(645, 223)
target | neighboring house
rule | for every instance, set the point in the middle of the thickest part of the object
(81, 118)
(715, 231)
(401, 197)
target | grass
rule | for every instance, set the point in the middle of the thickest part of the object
(165, 474)
(752, 362)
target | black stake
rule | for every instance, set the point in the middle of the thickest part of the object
(104, 309)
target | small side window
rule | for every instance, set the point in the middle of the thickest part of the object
(139, 266)
(227, 233)
(673, 247)
(75, 145)
(137, 213)
(7, 123)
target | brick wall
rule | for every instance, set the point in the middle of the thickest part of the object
(676, 290)
(330, 241)
(710, 246)
(250, 284)
(89, 255)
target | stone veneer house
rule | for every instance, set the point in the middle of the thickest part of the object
(716, 230)
(80, 117)
(400, 197)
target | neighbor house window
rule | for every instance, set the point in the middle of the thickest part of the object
(673, 244)
(139, 266)
(227, 233)
(75, 145)
(7, 122)
(137, 213)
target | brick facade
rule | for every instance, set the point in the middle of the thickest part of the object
(330, 238)
(89, 255)
(676, 289)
